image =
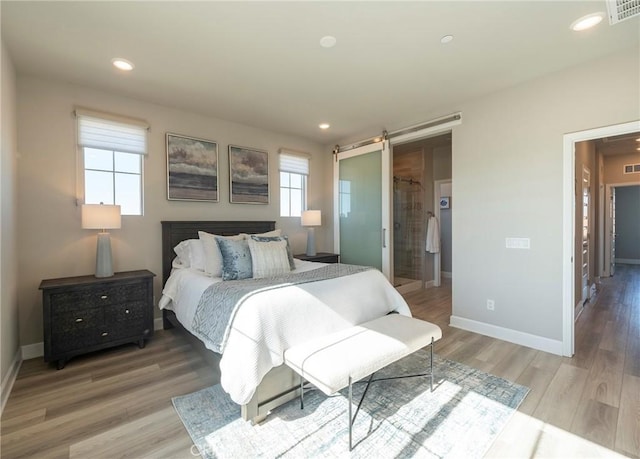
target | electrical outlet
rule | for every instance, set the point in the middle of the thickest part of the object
(491, 305)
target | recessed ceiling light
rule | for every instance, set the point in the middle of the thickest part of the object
(586, 22)
(324, 125)
(446, 39)
(328, 41)
(122, 64)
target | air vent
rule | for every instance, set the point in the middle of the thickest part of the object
(621, 10)
(632, 169)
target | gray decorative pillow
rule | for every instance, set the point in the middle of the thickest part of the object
(259, 238)
(236, 259)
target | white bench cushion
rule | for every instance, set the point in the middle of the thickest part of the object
(327, 362)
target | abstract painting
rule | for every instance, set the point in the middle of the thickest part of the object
(249, 175)
(192, 169)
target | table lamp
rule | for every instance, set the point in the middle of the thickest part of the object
(102, 217)
(311, 218)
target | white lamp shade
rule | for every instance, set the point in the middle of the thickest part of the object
(100, 216)
(311, 218)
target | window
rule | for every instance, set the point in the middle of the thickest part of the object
(113, 177)
(294, 169)
(112, 152)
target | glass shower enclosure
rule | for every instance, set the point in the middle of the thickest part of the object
(409, 229)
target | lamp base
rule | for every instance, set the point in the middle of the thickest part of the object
(311, 241)
(104, 263)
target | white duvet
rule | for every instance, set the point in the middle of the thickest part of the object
(270, 322)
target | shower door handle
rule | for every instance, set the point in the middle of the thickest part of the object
(384, 238)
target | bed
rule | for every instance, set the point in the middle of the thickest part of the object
(269, 320)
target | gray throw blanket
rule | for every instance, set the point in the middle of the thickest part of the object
(220, 302)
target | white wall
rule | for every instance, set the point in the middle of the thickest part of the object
(507, 179)
(614, 168)
(52, 244)
(8, 266)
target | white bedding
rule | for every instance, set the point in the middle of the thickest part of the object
(270, 322)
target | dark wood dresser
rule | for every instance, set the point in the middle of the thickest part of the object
(85, 313)
(320, 257)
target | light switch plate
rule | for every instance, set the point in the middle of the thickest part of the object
(518, 243)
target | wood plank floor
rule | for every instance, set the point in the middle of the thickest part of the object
(117, 403)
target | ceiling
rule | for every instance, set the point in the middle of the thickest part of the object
(261, 63)
(619, 145)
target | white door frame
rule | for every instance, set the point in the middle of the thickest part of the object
(586, 172)
(437, 260)
(568, 221)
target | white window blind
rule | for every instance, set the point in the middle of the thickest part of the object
(294, 163)
(107, 133)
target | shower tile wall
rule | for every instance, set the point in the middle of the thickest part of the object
(409, 221)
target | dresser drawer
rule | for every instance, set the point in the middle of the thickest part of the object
(84, 297)
(63, 342)
(125, 312)
(77, 320)
(134, 329)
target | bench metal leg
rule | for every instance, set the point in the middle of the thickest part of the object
(353, 419)
(350, 420)
(431, 365)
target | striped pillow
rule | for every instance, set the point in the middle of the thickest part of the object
(268, 259)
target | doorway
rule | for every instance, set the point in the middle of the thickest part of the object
(622, 223)
(417, 167)
(572, 186)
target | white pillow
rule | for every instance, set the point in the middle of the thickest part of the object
(184, 253)
(274, 233)
(197, 256)
(268, 259)
(212, 255)
(190, 254)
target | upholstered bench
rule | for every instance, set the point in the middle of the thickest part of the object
(337, 360)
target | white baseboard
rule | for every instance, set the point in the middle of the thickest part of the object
(430, 284)
(507, 334)
(627, 261)
(32, 351)
(446, 274)
(35, 350)
(10, 379)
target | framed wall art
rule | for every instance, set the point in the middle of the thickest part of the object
(192, 169)
(248, 175)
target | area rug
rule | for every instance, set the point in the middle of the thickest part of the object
(399, 418)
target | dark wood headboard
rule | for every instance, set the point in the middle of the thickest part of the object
(174, 232)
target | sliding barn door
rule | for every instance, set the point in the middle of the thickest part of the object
(362, 206)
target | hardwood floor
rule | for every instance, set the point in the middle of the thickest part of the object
(117, 403)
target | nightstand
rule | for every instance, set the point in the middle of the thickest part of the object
(320, 257)
(85, 313)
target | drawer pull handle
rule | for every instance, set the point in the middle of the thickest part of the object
(104, 333)
(79, 319)
(104, 297)
(126, 311)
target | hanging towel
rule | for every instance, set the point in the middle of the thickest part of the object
(433, 235)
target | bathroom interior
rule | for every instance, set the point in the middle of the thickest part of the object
(418, 167)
